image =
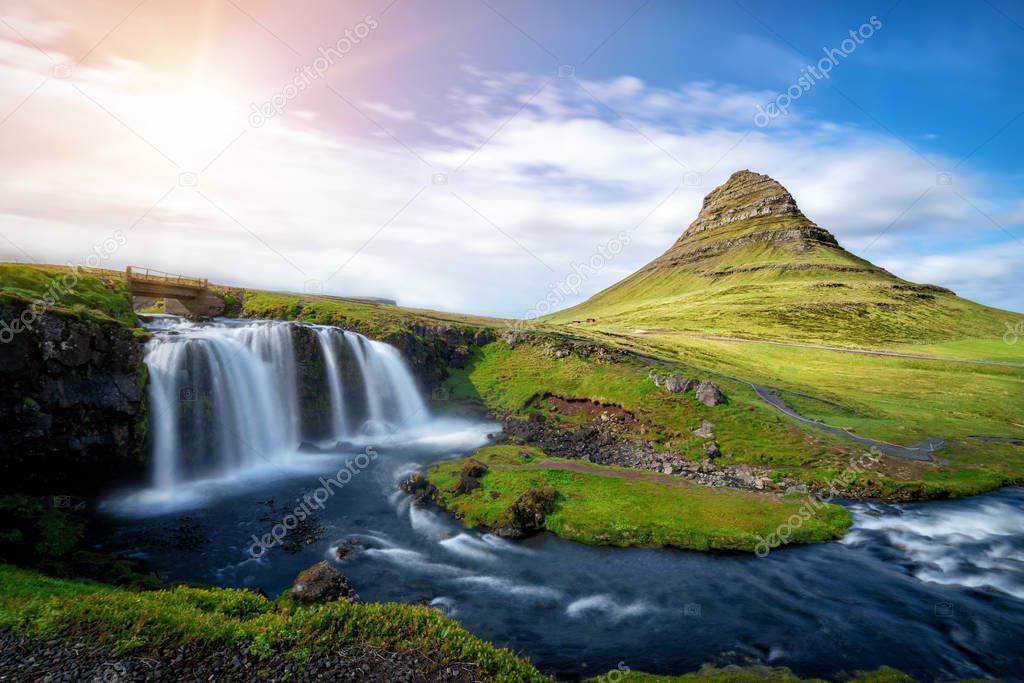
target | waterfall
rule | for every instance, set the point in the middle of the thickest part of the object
(226, 397)
(329, 349)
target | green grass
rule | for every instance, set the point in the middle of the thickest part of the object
(891, 399)
(139, 622)
(375, 320)
(747, 674)
(600, 508)
(83, 294)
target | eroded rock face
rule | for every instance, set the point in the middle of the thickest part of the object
(322, 583)
(748, 208)
(72, 409)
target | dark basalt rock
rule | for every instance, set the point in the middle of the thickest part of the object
(321, 583)
(418, 488)
(526, 515)
(73, 405)
(469, 478)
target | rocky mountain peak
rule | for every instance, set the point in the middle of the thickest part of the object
(747, 195)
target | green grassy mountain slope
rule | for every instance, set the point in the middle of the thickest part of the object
(752, 265)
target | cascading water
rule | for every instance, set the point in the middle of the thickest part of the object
(226, 397)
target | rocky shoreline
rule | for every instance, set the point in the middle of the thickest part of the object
(27, 659)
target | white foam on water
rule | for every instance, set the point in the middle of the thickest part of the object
(469, 547)
(608, 606)
(414, 561)
(444, 605)
(977, 546)
(507, 587)
(501, 545)
(427, 524)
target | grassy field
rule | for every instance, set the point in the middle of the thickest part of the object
(375, 319)
(84, 295)
(748, 674)
(896, 400)
(613, 506)
(139, 622)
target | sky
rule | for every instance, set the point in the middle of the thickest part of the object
(471, 155)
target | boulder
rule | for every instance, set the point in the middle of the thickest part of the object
(706, 430)
(526, 515)
(473, 468)
(674, 384)
(418, 488)
(321, 583)
(709, 394)
(712, 450)
(469, 478)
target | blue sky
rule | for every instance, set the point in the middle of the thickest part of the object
(466, 155)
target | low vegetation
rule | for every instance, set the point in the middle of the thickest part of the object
(747, 674)
(376, 320)
(139, 622)
(81, 293)
(622, 507)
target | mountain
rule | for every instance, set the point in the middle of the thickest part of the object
(753, 265)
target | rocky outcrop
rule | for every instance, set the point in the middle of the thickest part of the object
(706, 392)
(469, 477)
(706, 430)
(321, 583)
(610, 441)
(526, 515)
(674, 384)
(709, 394)
(419, 489)
(432, 350)
(73, 403)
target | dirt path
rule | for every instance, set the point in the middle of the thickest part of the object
(837, 349)
(922, 451)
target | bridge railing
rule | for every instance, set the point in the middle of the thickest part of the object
(149, 275)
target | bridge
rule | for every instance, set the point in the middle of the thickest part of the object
(193, 294)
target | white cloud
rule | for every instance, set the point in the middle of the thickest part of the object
(537, 179)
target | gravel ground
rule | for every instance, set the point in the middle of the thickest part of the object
(24, 659)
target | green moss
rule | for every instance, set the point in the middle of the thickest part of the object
(141, 622)
(621, 507)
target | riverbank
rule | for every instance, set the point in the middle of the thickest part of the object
(268, 635)
(504, 488)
